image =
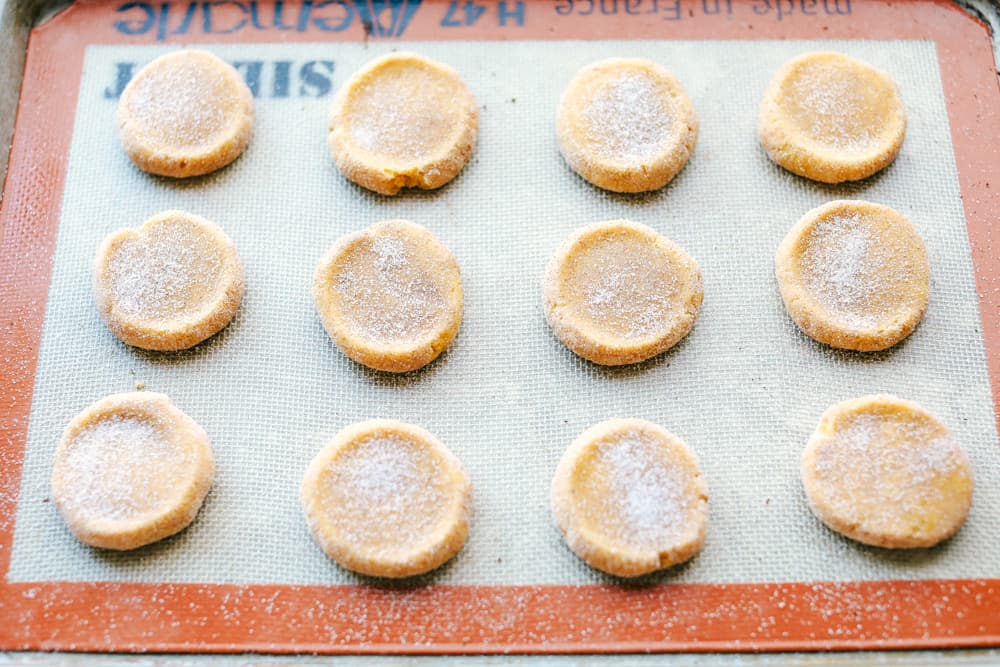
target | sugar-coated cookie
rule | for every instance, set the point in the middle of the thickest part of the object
(185, 114)
(626, 125)
(387, 499)
(390, 296)
(169, 284)
(883, 471)
(630, 498)
(831, 118)
(131, 469)
(618, 292)
(854, 275)
(403, 121)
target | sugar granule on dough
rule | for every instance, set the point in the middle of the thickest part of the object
(627, 120)
(393, 118)
(397, 300)
(854, 463)
(852, 271)
(164, 273)
(380, 482)
(644, 492)
(834, 102)
(195, 111)
(120, 468)
(628, 293)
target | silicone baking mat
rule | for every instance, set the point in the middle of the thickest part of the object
(744, 389)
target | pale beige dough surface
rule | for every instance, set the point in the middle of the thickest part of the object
(883, 471)
(854, 275)
(131, 469)
(168, 284)
(626, 125)
(390, 295)
(630, 499)
(387, 499)
(617, 292)
(832, 118)
(186, 113)
(403, 121)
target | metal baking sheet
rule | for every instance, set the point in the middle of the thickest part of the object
(136, 613)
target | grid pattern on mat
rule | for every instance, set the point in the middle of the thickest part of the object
(744, 389)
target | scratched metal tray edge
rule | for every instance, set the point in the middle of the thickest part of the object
(17, 18)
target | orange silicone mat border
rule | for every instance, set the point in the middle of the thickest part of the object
(470, 619)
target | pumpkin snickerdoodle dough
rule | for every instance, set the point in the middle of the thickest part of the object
(387, 499)
(618, 293)
(626, 125)
(831, 118)
(185, 114)
(390, 296)
(630, 498)
(403, 121)
(131, 469)
(883, 471)
(854, 275)
(169, 284)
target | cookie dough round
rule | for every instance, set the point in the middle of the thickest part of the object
(617, 292)
(630, 498)
(854, 275)
(169, 284)
(626, 125)
(831, 118)
(403, 121)
(131, 469)
(387, 499)
(187, 113)
(390, 296)
(882, 471)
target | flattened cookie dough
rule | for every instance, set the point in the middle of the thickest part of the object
(403, 121)
(390, 296)
(883, 471)
(831, 118)
(387, 499)
(854, 275)
(618, 293)
(169, 284)
(626, 125)
(185, 114)
(630, 498)
(131, 469)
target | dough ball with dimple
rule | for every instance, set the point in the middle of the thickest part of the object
(883, 471)
(131, 469)
(169, 284)
(831, 118)
(403, 121)
(618, 293)
(387, 499)
(390, 296)
(854, 275)
(185, 114)
(626, 125)
(630, 499)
